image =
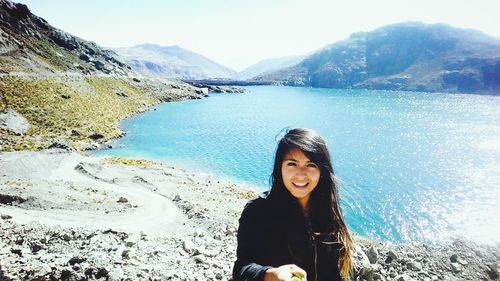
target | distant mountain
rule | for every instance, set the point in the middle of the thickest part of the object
(408, 56)
(268, 66)
(172, 61)
(29, 44)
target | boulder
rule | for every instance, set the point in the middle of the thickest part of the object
(13, 121)
(414, 265)
(96, 136)
(64, 39)
(76, 260)
(372, 255)
(360, 258)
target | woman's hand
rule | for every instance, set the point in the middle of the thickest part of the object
(284, 273)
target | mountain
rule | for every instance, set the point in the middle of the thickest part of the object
(268, 66)
(172, 61)
(60, 91)
(407, 56)
(29, 44)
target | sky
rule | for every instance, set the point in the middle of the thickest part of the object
(238, 33)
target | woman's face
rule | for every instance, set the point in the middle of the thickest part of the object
(300, 175)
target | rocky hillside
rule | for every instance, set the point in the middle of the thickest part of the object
(57, 90)
(408, 56)
(29, 44)
(172, 61)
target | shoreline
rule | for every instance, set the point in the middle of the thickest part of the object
(101, 216)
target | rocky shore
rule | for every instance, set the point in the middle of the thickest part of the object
(69, 216)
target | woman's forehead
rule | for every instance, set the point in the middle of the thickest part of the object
(296, 154)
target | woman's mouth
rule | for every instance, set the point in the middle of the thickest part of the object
(300, 184)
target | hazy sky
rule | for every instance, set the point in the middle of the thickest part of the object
(238, 34)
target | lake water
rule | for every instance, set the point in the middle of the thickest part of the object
(413, 166)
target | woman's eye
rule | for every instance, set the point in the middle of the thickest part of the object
(291, 164)
(312, 165)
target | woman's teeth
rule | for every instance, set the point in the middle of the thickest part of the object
(300, 184)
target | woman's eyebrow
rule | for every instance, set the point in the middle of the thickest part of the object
(291, 159)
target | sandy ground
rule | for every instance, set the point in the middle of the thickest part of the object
(77, 190)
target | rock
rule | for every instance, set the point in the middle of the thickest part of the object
(125, 254)
(42, 270)
(392, 255)
(454, 258)
(11, 199)
(101, 272)
(13, 121)
(58, 145)
(121, 93)
(66, 274)
(372, 255)
(89, 272)
(189, 246)
(403, 277)
(366, 273)
(76, 259)
(35, 247)
(84, 57)
(99, 65)
(493, 271)
(122, 200)
(64, 39)
(96, 136)
(200, 258)
(75, 133)
(230, 230)
(67, 237)
(65, 97)
(115, 274)
(360, 256)
(456, 267)
(389, 259)
(199, 233)
(5, 217)
(414, 265)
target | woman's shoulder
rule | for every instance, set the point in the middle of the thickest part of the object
(258, 205)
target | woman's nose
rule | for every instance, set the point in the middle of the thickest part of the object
(301, 171)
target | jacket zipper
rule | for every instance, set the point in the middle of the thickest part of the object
(315, 251)
(315, 261)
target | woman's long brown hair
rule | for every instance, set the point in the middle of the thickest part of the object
(324, 204)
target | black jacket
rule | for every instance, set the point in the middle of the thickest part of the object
(272, 234)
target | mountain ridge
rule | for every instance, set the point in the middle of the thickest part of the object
(406, 56)
(172, 61)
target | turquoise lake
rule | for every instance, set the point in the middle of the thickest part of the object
(412, 166)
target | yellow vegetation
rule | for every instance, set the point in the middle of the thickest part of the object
(130, 162)
(56, 110)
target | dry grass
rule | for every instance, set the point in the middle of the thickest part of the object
(56, 110)
(130, 162)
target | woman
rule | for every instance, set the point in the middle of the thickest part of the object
(296, 229)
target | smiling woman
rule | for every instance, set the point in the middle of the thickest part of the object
(296, 229)
(300, 176)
